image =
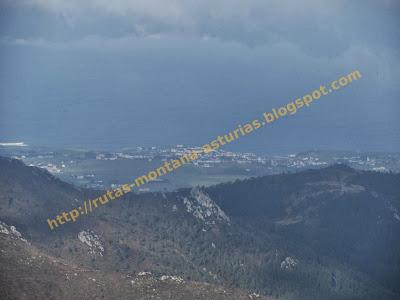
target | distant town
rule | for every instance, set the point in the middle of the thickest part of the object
(105, 169)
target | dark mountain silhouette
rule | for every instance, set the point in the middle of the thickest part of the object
(319, 234)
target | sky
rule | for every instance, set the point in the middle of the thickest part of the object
(102, 74)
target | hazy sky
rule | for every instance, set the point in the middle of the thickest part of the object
(109, 74)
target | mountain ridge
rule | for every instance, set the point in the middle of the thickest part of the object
(273, 235)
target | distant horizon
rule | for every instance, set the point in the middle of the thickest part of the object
(112, 75)
(21, 144)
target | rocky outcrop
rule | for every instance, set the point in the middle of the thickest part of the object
(289, 264)
(202, 207)
(11, 231)
(92, 240)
